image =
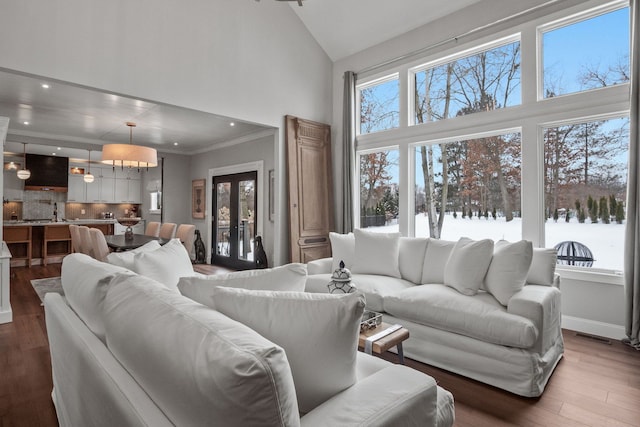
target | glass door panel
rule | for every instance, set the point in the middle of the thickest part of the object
(234, 223)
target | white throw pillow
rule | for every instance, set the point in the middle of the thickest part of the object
(198, 366)
(343, 248)
(468, 264)
(319, 333)
(543, 267)
(165, 265)
(435, 259)
(376, 253)
(85, 281)
(411, 254)
(508, 269)
(290, 277)
(125, 259)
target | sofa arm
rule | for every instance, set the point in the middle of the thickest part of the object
(319, 266)
(394, 396)
(541, 305)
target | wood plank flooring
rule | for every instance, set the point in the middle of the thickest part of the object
(596, 384)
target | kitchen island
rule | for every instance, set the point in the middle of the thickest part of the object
(42, 242)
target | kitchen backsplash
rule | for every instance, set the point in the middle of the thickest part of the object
(40, 205)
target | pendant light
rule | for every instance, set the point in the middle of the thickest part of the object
(128, 154)
(24, 173)
(88, 178)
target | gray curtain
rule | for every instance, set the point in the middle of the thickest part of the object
(632, 236)
(348, 149)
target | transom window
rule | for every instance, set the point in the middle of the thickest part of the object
(379, 105)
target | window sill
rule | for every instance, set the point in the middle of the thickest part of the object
(608, 277)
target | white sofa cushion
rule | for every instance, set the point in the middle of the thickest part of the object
(125, 259)
(165, 265)
(543, 267)
(196, 364)
(343, 248)
(319, 333)
(411, 255)
(374, 287)
(508, 269)
(376, 253)
(479, 316)
(468, 264)
(435, 259)
(289, 277)
(85, 281)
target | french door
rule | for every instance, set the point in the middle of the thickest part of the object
(234, 215)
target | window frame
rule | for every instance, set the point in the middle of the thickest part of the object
(371, 83)
(529, 118)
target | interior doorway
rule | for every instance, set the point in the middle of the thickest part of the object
(234, 221)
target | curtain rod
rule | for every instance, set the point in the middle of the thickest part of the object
(456, 38)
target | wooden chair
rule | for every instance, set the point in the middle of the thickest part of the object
(187, 234)
(168, 230)
(99, 244)
(153, 229)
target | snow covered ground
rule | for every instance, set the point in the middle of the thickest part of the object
(606, 241)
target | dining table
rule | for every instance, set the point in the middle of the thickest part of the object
(118, 242)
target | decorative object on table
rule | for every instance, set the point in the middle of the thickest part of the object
(201, 253)
(198, 198)
(341, 281)
(129, 155)
(370, 320)
(128, 222)
(260, 254)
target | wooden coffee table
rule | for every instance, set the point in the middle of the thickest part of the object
(384, 343)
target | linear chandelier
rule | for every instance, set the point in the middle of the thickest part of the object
(129, 155)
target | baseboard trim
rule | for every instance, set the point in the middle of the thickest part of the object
(6, 316)
(593, 327)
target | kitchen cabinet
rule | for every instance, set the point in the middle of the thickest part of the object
(109, 186)
(77, 189)
(13, 186)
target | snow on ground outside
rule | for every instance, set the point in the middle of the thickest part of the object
(606, 241)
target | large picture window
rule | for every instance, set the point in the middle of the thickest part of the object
(379, 191)
(585, 180)
(519, 135)
(484, 81)
(469, 188)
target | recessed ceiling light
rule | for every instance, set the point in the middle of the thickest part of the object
(59, 148)
(54, 154)
(45, 86)
(232, 124)
(175, 143)
(25, 123)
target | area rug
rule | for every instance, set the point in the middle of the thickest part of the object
(44, 286)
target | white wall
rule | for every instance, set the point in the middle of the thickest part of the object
(254, 150)
(590, 306)
(254, 61)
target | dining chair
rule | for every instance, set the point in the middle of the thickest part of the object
(75, 238)
(187, 234)
(86, 247)
(99, 244)
(168, 230)
(153, 229)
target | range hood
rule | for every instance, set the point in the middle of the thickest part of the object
(48, 173)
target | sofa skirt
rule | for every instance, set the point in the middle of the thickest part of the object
(516, 370)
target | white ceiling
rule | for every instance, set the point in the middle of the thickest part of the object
(344, 27)
(77, 119)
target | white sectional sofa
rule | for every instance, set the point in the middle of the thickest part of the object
(487, 311)
(127, 350)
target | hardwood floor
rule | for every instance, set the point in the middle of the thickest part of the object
(596, 384)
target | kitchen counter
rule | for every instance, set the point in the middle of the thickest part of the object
(65, 222)
(45, 241)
